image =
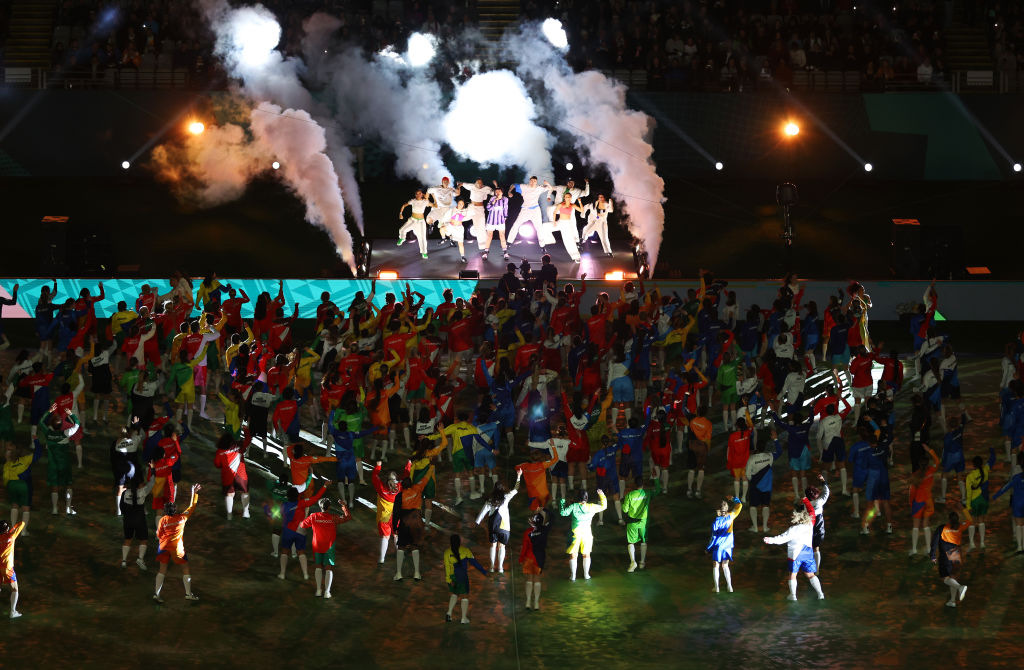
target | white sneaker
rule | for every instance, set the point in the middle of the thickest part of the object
(632, 567)
(714, 589)
(643, 565)
(621, 522)
(963, 591)
(586, 576)
(15, 614)
(274, 554)
(191, 596)
(71, 511)
(281, 576)
(821, 596)
(124, 564)
(791, 598)
(475, 496)
(398, 578)
(245, 514)
(951, 603)
(318, 593)
(464, 621)
(730, 588)
(327, 594)
(158, 599)
(141, 563)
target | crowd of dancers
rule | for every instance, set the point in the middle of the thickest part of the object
(592, 402)
(547, 209)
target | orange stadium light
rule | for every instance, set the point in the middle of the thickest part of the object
(387, 274)
(196, 127)
(617, 275)
(791, 129)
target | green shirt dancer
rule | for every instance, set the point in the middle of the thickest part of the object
(635, 505)
(56, 435)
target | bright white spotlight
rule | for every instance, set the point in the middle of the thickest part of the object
(1016, 167)
(255, 34)
(718, 165)
(275, 165)
(125, 165)
(420, 50)
(526, 231)
(791, 129)
(552, 29)
(868, 167)
(196, 127)
(568, 166)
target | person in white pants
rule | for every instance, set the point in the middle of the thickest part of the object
(565, 223)
(530, 211)
(597, 221)
(416, 222)
(442, 204)
(558, 194)
(478, 194)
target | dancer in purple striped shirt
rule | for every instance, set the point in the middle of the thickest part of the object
(497, 212)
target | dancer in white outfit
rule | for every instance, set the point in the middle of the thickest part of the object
(565, 223)
(530, 211)
(575, 194)
(597, 221)
(416, 222)
(478, 194)
(442, 204)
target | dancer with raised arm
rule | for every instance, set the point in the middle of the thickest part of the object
(530, 210)
(416, 222)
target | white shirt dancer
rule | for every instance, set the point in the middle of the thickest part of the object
(442, 203)
(416, 222)
(530, 211)
(478, 194)
(574, 195)
(799, 550)
(597, 221)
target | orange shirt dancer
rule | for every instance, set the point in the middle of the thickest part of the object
(171, 532)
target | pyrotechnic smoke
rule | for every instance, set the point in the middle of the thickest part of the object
(592, 108)
(212, 169)
(490, 121)
(299, 142)
(247, 38)
(384, 98)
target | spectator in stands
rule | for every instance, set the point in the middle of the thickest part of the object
(924, 71)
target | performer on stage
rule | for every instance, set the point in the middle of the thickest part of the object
(442, 203)
(597, 221)
(497, 213)
(565, 223)
(416, 222)
(575, 195)
(477, 196)
(530, 211)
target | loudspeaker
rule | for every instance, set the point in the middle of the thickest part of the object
(942, 252)
(905, 249)
(469, 274)
(54, 259)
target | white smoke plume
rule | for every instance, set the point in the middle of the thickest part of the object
(592, 108)
(491, 121)
(247, 39)
(300, 143)
(382, 97)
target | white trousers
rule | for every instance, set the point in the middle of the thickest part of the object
(531, 215)
(598, 225)
(478, 216)
(419, 229)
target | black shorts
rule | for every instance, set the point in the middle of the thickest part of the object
(816, 538)
(135, 526)
(759, 498)
(630, 467)
(499, 536)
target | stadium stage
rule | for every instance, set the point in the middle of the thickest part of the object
(444, 262)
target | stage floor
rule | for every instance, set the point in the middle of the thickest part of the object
(444, 261)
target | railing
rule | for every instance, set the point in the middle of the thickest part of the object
(819, 81)
(124, 78)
